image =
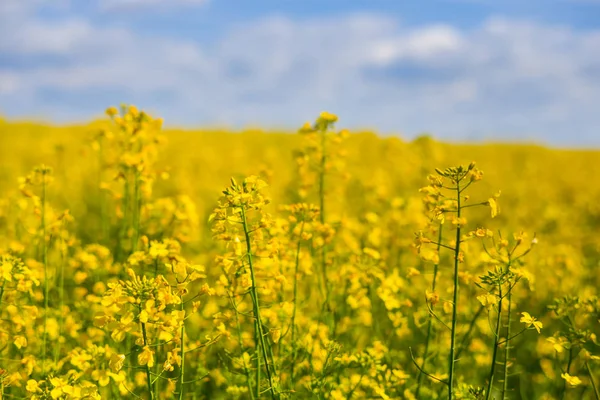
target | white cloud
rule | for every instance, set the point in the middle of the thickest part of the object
(424, 44)
(48, 38)
(119, 5)
(9, 83)
(504, 78)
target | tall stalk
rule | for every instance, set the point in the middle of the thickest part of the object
(507, 346)
(490, 386)
(61, 294)
(241, 343)
(46, 278)
(323, 164)
(182, 367)
(451, 360)
(293, 322)
(147, 369)
(467, 335)
(259, 335)
(430, 322)
(589, 371)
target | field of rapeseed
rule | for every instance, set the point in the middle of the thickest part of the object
(138, 262)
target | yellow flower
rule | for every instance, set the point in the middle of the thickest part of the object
(558, 344)
(112, 111)
(275, 335)
(146, 357)
(133, 110)
(459, 221)
(101, 376)
(487, 300)
(20, 341)
(412, 271)
(528, 320)
(32, 386)
(493, 207)
(374, 254)
(6, 270)
(306, 128)
(158, 249)
(116, 362)
(328, 117)
(571, 380)
(60, 387)
(432, 297)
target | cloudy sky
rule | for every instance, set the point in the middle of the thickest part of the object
(459, 69)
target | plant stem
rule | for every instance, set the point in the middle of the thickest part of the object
(46, 280)
(488, 393)
(157, 370)
(430, 322)
(61, 291)
(257, 355)
(182, 368)
(465, 339)
(239, 334)
(454, 299)
(589, 371)
(569, 362)
(148, 377)
(293, 364)
(507, 345)
(322, 210)
(259, 334)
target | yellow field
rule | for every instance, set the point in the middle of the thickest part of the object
(334, 265)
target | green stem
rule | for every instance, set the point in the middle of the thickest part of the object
(148, 377)
(569, 362)
(259, 334)
(239, 334)
(258, 362)
(465, 340)
(322, 210)
(46, 280)
(61, 291)
(296, 268)
(507, 345)
(2, 291)
(589, 371)
(322, 177)
(182, 368)
(157, 370)
(454, 300)
(488, 393)
(430, 322)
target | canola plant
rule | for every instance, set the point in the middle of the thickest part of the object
(140, 262)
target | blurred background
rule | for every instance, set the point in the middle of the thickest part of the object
(462, 70)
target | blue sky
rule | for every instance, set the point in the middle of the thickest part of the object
(458, 69)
